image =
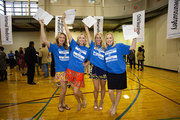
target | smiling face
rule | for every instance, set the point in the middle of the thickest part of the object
(81, 40)
(109, 39)
(98, 39)
(61, 39)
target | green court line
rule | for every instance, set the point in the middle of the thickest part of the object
(43, 109)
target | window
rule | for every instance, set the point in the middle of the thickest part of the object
(20, 8)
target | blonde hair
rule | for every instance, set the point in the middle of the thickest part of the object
(114, 43)
(84, 37)
(65, 44)
(102, 42)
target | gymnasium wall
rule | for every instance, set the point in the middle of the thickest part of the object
(159, 52)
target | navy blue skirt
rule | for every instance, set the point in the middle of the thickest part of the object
(98, 73)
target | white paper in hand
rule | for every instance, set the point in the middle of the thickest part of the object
(43, 15)
(70, 16)
(128, 32)
(89, 21)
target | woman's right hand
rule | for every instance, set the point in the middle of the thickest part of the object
(85, 26)
(41, 22)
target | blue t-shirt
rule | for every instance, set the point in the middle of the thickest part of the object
(77, 57)
(97, 56)
(115, 62)
(61, 57)
(11, 55)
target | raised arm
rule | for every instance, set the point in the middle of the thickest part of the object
(67, 29)
(88, 34)
(43, 35)
(133, 45)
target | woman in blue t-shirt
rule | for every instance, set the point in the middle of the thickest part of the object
(60, 51)
(116, 68)
(75, 70)
(99, 66)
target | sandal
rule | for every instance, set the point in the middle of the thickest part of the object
(79, 107)
(101, 106)
(95, 105)
(66, 107)
(61, 109)
(84, 103)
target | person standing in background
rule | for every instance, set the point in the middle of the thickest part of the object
(31, 60)
(142, 46)
(17, 56)
(22, 61)
(11, 59)
(3, 67)
(52, 65)
(140, 58)
(132, 59)
(44, 54)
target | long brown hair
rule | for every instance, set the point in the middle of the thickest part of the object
(65, 44)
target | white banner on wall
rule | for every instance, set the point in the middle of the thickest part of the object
(138, 22)
(59, 26)
(0, 22)
(6, 30)
(173, 22)
(98, 26)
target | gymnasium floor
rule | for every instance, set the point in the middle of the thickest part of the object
(152, 94)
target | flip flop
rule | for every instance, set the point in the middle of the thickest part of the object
(61, 109)
(66, 107)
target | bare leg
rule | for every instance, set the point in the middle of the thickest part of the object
(96, 92)
(63, 101)
(118, 97)
(78, 95)
(111, 95)
(62, 95)
(103, 90)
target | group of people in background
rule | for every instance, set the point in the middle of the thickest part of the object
(140, 58)
(4, 60)
(25, 59)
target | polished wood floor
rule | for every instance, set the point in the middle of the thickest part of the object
(152, 94)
